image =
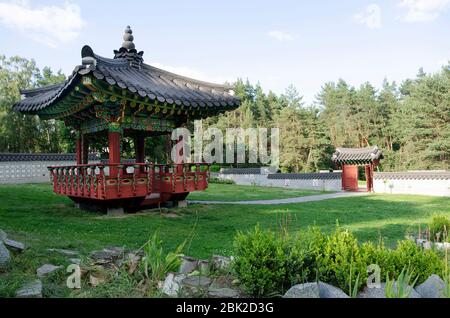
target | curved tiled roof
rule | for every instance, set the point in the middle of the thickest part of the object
(413, 175)
(357, 155)
(127, 71)
(306, 176)
(42, 157)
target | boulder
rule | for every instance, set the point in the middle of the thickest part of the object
(194, 285)
(188, 265)
(172, 284)
(223, 293)
(307, 290)
(47, 269)
(63, 251)
(221, 263)
(30, 290)
(76, 261)
(431, 288)
(17, 246)
(5, 257)
(315, 290)
(3, 235)
(108, 254)
(381, 292)
(328, 291)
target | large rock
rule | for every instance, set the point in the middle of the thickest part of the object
(221, 263)
(30, 290)
(195, 285)
(63, 251)
(307, 290)
(381, 292)
(108, 254)
(47, 269)
(5, 257)
(172, 284)
(315, 290)
(188, 265)
(17, 246)
(432, 287)
(328, 291)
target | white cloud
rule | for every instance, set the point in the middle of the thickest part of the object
(423, 10)
(371, 16)
(193, 73)
(52, 25)
(280, 35)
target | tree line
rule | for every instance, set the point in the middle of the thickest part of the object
(409, 121)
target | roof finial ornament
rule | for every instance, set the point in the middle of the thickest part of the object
(128, 50)
(128, 39)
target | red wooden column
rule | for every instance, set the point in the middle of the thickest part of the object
(79, 157)
(139, 148)
(114, 148)
(84, 149)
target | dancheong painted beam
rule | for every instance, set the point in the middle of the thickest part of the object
(124, 97)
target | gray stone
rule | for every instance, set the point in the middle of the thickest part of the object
(307, 290)
(381, 292)
(30, 290)
(18, 246)
(3, 235)
(315, 290)
(328, 291)
(223, 293)
(188, 265)
(108, 254)
(221, 263)
(172, 284)
(76, 261)
(63, 251)
(115, 211)
(5, 257)
(47, 269)
(431, 288)
(195, 285)
(181, 204)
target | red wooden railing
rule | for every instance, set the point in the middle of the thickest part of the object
(127, 180)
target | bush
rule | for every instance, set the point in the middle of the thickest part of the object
(439, 227)
(407, 255)
(341, 261)
(259, 262)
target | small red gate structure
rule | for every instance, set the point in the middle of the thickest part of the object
(124, 97)
(349, 159)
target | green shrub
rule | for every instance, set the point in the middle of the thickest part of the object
(259, 262)
(439, 227)
(341, 263)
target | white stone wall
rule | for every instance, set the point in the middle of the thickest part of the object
(413, 186)
(263, 181)
(16, 172)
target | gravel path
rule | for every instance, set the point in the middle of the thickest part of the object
(308, 198)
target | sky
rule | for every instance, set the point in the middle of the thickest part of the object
(275, 43)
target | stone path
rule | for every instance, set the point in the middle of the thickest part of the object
(309, 198)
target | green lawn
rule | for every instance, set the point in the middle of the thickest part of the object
(234, 192)
(34, 215)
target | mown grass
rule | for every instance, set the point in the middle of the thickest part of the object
(234, 192)
(34, 215)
